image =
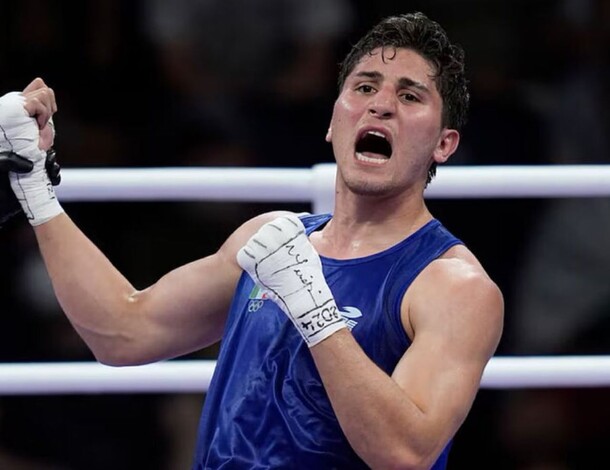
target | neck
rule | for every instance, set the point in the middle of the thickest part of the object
(364, 225)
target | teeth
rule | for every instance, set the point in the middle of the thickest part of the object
(377, 133)
(364, 158)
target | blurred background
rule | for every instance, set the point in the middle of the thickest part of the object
(251, 83)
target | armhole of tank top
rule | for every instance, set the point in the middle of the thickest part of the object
(398, 293)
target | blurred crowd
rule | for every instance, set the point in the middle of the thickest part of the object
(252, 83)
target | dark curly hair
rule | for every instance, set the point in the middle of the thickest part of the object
(417, 32)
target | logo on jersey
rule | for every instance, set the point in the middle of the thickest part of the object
(257, 297)
(350, 314)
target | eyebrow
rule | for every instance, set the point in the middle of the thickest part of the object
(403, 82)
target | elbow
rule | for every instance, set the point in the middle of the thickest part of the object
(118, 356)
(403, 458)
(113, 360)
(117, 349)
(406, 461)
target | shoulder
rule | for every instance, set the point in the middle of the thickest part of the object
(458, 269)
(243, 233)
(251, 226)
(458, 273)
(454, 290)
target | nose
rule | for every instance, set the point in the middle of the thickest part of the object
(383, 104)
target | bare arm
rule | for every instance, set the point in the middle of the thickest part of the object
(404, 421)
(120, 324)
(184, 311)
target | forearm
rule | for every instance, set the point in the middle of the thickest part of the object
(383, 425)
(381, 419)
(96, 298)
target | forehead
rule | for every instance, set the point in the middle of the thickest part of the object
(396, 63)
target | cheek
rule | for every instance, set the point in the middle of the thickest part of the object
(344, 120)
(426, 130)
(345, 111)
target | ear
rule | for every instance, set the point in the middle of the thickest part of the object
(329, 134)
(447, 145)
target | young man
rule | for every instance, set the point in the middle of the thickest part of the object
(349, 341)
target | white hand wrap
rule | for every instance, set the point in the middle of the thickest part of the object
(280, 258)
(19, 133)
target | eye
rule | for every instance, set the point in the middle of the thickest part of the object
(410, 97)
(365, 89)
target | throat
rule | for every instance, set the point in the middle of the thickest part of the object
(351, 237)
(351, 246)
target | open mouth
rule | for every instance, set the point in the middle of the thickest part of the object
(373, 147)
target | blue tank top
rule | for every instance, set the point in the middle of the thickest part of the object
(266, 407)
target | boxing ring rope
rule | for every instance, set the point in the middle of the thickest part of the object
(315, 186)
(191, 376)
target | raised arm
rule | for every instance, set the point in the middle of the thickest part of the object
(184, 311)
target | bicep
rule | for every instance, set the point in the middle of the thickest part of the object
(186, 309)
(456, 330)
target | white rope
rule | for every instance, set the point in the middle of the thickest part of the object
(174, 184)
(91, 377)
(521, 181)
(303, 185)
(193, 376)
(547, 371)
(313, 185)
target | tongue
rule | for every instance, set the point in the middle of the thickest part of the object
(374, 146)
(378, 156)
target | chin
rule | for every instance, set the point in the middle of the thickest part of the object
(369, 188)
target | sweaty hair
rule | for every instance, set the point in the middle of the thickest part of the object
(415, 31)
